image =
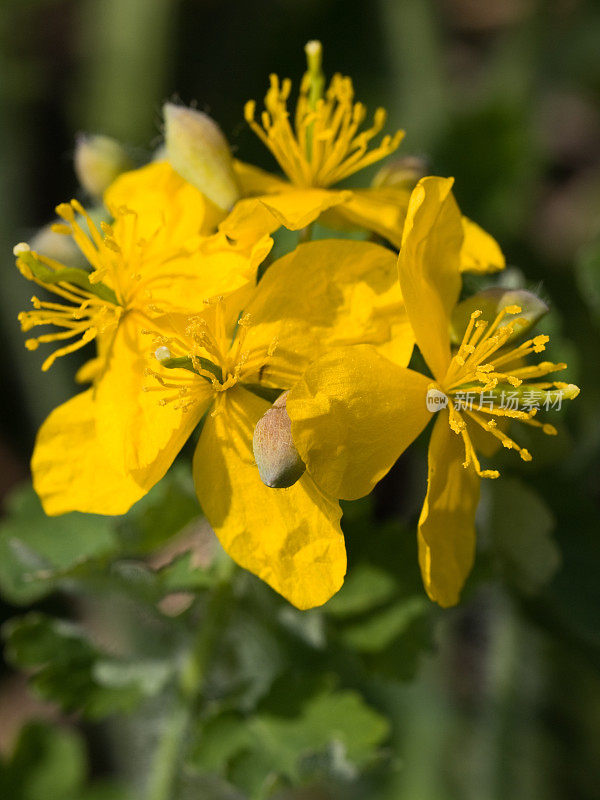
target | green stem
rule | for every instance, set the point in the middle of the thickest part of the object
(305, 234)
(164, 778)
(194, 670)
(166, 759)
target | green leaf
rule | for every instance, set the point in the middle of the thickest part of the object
(68, 669)
(163, 512)
(588, 275)
(48, 762)
(37, 551)
(151, 676)
(341, 716)
(180, 575)
(380, 630)
(268, 745)
(521, 528)
(366, 587)
(222, 738)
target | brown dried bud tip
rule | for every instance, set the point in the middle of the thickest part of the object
(279, 464)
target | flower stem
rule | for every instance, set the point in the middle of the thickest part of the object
(164, 778)
(305, 234)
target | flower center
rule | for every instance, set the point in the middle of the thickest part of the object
(89, 306)
(324, 146)
(204, 349)
(487, 380)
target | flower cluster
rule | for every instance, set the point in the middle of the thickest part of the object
(293, 372)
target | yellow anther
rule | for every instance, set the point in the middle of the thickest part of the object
(78, 208)
(65, 211)
(324, 145)
(489, 473)
(58, 227)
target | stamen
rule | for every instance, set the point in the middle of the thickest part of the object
(506, 441)
(471, 458)
(477, 362)
(324, 146)
(91, 307)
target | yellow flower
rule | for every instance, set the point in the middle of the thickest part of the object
(155, 257)
(354, 412)
(230, 356)
(325, 145)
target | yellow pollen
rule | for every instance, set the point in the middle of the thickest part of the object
(204, 352)
(91, 301)
(324, 145)
(486, 380)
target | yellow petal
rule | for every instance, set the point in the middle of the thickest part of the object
(480, 251)
(162, 201)
(297, 208)
(70, 469)
(181, 284)
(290, 538)
(253, 180)
(381, 210)
(327, 293)
(447, 525)
(429, 267)
(292, 208)
(249, 220)
(353, 413)
(89, 371)
(141, 436)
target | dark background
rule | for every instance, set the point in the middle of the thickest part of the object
(502, 94)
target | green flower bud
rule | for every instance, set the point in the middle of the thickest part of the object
(200, 153)
(98, 161)
(279, 464)
(490, 302)
(401, 173)
(54, 245)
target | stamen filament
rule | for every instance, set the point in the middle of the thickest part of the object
(324, 146)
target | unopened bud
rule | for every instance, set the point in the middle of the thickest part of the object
(401, 173)
(98, 161)
(279, 464)
(198, 151)
(491, 302)
(57, 246)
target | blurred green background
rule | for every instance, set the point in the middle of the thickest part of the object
(505, 96)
